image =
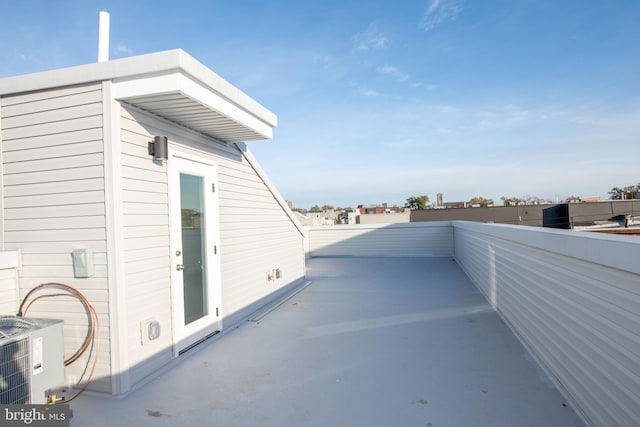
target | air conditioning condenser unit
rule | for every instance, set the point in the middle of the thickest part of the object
(31, 359)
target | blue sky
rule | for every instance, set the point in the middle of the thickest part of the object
(381, 100)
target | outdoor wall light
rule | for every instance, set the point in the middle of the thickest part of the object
(158, 148)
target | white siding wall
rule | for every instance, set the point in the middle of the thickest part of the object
(574, 300)
(435, 238)
(256, 234)
(257, 237)
(52, 153)
(8, 291)
(147, 259)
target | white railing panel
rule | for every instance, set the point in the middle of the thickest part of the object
(404, 239)
(573, 298)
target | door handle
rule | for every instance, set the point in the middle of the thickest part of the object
(179, 267)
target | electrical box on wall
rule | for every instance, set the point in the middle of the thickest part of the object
(83, 263)
(149, 331)
(274, 274)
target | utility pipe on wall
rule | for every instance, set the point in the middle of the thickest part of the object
(103, 37)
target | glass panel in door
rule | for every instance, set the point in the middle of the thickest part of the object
(193, 232)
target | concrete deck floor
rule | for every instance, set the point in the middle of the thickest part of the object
(371, 342)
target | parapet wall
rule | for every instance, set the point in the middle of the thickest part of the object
(573, 299)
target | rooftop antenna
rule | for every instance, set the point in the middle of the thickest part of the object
(103, 37)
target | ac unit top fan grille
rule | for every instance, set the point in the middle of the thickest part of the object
(11, 325)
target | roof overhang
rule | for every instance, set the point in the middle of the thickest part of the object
(169, 84)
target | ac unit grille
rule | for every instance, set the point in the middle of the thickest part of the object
(14, 372)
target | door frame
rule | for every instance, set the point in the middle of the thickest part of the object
(185, 336)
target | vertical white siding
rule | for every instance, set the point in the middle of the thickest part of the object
(574, 300)
(424, 239)
(52, 154)
(256, 234)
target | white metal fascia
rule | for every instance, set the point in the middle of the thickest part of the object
(135, 89)
(191, 79)
(201, 73)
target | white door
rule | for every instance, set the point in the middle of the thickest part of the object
(196, 289)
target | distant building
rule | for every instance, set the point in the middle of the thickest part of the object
(520, 215)
(593, 199)
(455, 205)
(382, 214)
(389, 218)
(331, 217)
(584, 215)
(593, 215)
(573, 199)
(380, 209)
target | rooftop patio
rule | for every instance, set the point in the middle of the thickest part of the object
(375, 341)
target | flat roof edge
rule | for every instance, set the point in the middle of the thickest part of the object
(95, 71)
(210, 79)
(131, 67)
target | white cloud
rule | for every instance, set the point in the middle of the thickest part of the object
(322, 60)
(387, 69)
(515, 114)
(445, 108)
(506, 116)
(368, 92)
(394, 72)
(371, 38)
(551, 115)
(123, 50)
(363, 90)
(433, 6)
(439, 12)
(423, 85)
(28, 57)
